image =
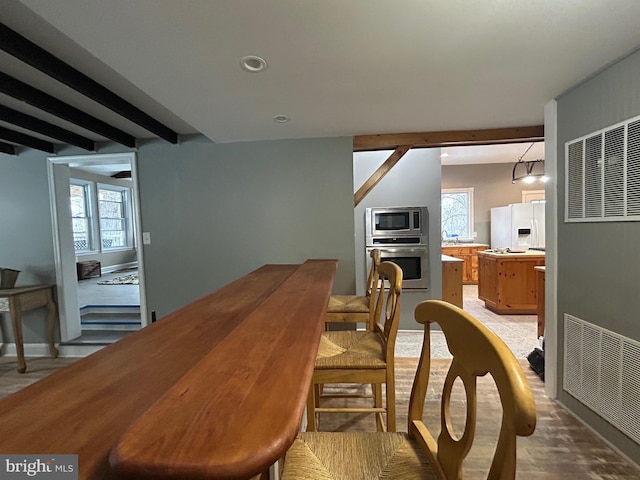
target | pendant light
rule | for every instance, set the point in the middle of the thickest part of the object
(528, 171)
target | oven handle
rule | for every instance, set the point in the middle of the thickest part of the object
(396, 249)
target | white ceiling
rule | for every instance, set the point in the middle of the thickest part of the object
(336, 67)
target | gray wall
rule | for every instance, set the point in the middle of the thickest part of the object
(414, 181)
(217, 211)
(598, 274)
(492, 187)
(26, 240)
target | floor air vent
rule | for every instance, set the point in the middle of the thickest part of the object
(602, 370)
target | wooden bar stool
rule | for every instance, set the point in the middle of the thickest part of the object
(362, 357)
(476, 351)
(356, 308)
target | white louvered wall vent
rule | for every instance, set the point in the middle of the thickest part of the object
(602, 181)
(602, 370)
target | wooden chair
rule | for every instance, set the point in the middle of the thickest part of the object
(417, 455)
(363, 357)
(356, 308)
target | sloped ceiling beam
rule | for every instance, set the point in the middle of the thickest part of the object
(379, 174)
(7, 148)
(15, 44)
(28, 122)
(452, 138)
(26, 93)
(26, 140)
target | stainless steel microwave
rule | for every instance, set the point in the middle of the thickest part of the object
(395, 222)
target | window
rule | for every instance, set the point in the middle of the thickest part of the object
(457, 212)
(113, 207)
(81, 216)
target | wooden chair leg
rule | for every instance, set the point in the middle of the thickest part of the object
(377, 402)
(391, 403)
(311, 408)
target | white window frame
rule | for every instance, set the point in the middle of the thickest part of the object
(470, 217)
(90, 215)
(126, 212)
(533, 196)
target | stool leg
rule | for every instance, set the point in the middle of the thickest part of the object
(377, 402)
(311, 408)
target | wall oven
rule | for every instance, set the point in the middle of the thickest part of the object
(401, 235)
(414, 262)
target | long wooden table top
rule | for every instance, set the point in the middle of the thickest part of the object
(216, 389)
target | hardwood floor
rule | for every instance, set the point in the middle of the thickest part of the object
(561, 447)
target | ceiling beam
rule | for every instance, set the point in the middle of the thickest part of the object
(379, 174)
(34, 124)
(26, 93)
(27, 51)
(7, 148)
(26, 140)
(451, 138)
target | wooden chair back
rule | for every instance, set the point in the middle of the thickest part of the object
(372, 282)
(386, 312)
(476, 351)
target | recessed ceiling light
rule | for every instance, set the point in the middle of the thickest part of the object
(281, 119)
(253, 64)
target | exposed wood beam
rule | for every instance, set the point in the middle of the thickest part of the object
(27, 51)
(34, 124)
(26, 93)
(26, 140)
(379, 174)
(7, 148)
(449, 138)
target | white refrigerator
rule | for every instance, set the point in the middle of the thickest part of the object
(518, 226)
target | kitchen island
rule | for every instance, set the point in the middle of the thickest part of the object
(507, 281)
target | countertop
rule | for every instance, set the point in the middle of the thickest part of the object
(524, 253)
(447, 258)
(462, 244)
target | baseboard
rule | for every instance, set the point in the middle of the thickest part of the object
(42, 350)
(121, 266)
(30, 350)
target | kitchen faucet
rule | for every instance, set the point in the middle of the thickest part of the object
(445, 234)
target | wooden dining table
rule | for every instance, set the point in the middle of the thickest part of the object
(215, 390)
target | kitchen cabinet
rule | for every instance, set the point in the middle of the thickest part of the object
(452, 280)
(507, 281)
(467, 252)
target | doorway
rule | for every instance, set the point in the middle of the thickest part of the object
(66, 257)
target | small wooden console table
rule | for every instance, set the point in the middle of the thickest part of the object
(21, 299)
